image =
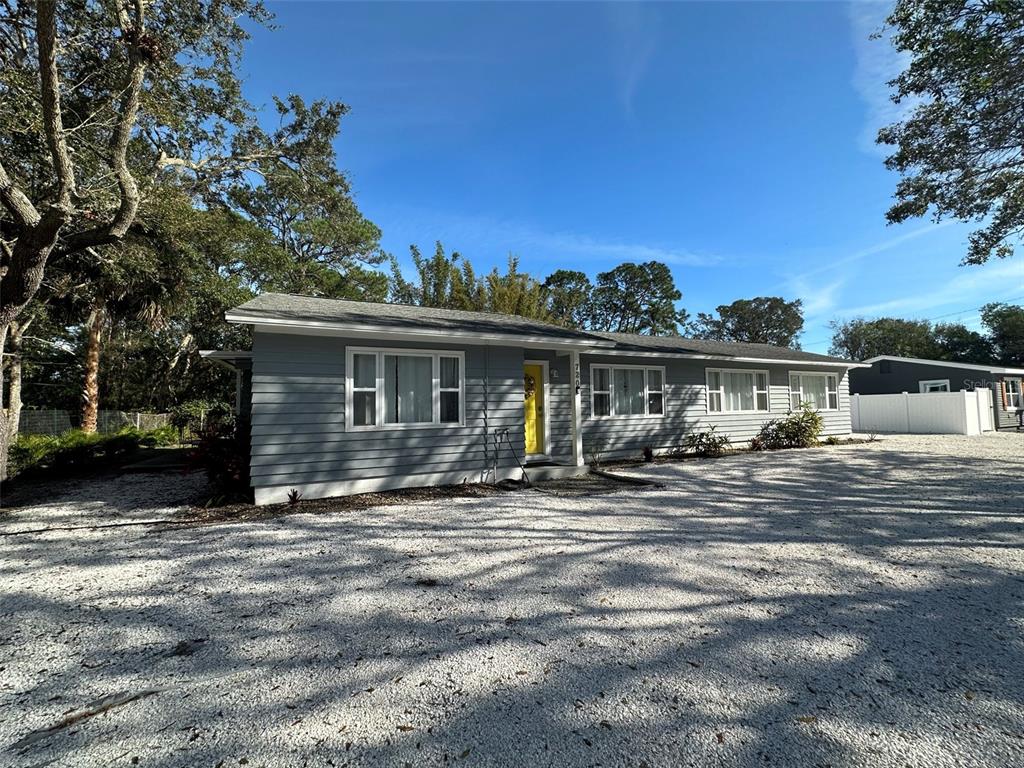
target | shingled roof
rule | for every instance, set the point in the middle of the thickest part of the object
(397, 317)
(680, 344)
(402, 318)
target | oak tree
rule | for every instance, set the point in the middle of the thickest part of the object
(761, 320)
(961, 147)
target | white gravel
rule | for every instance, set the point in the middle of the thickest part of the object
(858, 605)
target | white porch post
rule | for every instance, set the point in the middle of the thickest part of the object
(577, 408)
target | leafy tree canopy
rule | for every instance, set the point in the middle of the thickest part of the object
(958, 343)
(1005, 323)
(862, 339)
(569, 297)
(637, 298)
(762, 320)
(139, 186)
(961, 149)
(441, 281)
(1004, 343)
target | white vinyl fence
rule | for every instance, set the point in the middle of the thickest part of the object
(937, 413)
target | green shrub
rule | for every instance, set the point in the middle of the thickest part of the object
(30, 450)
(193, 416)
(831, 440)
(800, 429)
(165, 435)
(708, 444)
(76, 450)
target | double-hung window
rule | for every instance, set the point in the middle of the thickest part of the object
(626, 390)
(821, 390)
(737, 391)
(397, 388)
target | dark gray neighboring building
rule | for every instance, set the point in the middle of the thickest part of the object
(892, 375)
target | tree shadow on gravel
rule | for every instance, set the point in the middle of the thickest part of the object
(835, 610)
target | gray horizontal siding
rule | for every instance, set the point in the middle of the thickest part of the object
(298, 416)
(686, 408)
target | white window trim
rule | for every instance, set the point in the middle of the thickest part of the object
(826, 374)
(435, 404)
(1011, 396)
(922, 386)
(721, 390)
(611, 367)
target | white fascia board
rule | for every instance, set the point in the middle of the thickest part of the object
(225, 354)
(376, 333)
(727, 358)
(948, 364)
(225, 357)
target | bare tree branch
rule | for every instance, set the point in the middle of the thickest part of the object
(53, 123)
(134, 31)
(16, 201)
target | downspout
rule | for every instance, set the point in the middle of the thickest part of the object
(489, 460)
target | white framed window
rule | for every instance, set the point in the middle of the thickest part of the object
(933, 385)
(1012, 389)
(403, 388)
(821, 390)
(626, 390)
(737, 390)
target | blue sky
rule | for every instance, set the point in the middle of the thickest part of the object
(732, 141)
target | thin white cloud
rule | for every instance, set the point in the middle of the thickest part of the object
(820, 297)
(878, 62)
(968, 289)
(634, 39)
(832, 264)
(583, 245)
(480, 237)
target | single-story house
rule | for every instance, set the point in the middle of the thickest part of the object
(348, 397)
(887, 374)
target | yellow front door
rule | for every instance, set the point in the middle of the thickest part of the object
(533, 403)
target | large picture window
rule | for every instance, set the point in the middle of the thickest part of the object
(626, 390)
(821, 390)
(397, 388)
(737, 391)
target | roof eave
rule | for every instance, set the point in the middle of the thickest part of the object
(948, 364)
(596, 345)
(734, 358)
(371, 330)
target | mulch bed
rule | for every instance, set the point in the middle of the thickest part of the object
(240, 512)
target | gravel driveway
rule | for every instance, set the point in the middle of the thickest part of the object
(858, 605)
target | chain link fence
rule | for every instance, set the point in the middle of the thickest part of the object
(56, 422)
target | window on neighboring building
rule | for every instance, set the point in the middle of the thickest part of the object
(626, 391)
(737, 391)
(1012, 388)
(821, 390)
(934, 385)
(390, 388)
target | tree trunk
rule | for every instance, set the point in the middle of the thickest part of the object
(13, 360)
(91, 388)
(5, 442)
